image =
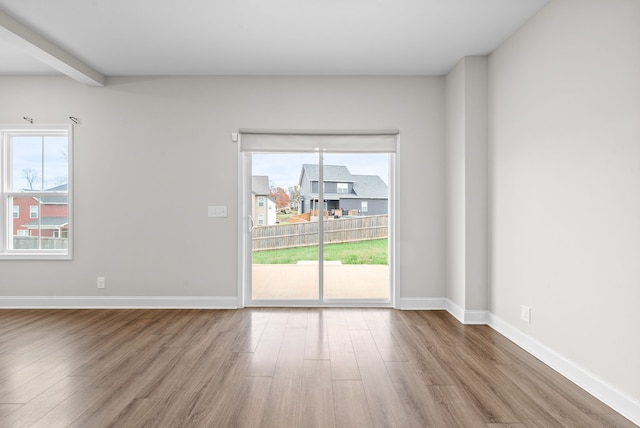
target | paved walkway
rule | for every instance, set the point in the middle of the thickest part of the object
(300, 281)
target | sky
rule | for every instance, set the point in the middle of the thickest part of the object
(49, 161)
(283, 169)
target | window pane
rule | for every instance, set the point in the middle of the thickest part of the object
(39, 162)
(56, 169)
(26, 162)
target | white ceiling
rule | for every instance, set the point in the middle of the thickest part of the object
(261, 37)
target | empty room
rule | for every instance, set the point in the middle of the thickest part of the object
(320, 214)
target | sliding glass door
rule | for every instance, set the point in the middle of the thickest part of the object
(316, 225)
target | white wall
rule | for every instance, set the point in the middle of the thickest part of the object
(466, 183)
(455, 183)
(564, 126)
(152, 152)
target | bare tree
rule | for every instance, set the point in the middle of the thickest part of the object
(31, 175)
(294, 197)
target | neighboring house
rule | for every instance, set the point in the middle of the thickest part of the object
(263, 208)
(368, 194)
(46, 216)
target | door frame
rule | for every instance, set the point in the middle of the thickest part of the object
(244, 266)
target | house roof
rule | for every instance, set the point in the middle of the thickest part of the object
(364, 186)
(260, 185)
(47, 222)
(334, 173)
(370, 187)
(53, 199)
(60, 188)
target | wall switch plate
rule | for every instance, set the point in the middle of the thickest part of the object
(101, 282)
(526, 314)
(217, 211)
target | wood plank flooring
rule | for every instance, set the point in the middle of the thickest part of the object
(259, 367)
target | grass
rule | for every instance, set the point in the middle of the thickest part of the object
(372, 252)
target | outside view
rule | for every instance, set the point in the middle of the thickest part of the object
(38, 203)
(286, 211)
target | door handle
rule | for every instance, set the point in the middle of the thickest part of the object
(250, 224)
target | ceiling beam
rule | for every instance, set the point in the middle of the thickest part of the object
(50, 54)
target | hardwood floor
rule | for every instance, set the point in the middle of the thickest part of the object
(276, 368)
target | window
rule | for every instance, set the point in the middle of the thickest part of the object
(261, 201)
(260, 219)
(343, 188)
(364, 206)
(35, 176)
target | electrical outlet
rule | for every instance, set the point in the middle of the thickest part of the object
(101, 283)
(526, 314)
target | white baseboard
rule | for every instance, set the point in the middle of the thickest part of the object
(614, 398)
(116, 302)
(432, 304)
(617, 400)
(466, 317)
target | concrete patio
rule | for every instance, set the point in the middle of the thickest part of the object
(300, 281)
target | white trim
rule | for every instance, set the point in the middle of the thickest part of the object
(622, 403)
(118, 302)
(394, 226)
(434, 304)
(475, 317)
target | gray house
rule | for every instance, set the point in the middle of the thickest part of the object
(366, 194)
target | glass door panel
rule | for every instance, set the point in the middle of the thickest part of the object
(284, 256)
(293, 199)
(356, 227)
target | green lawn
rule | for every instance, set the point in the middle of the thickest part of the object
(372, 252)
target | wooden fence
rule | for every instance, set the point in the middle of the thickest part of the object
(306, 234)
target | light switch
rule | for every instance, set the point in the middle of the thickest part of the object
(217, 210)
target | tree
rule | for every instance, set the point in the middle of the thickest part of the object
(280, 197)
(294, 197)
(31, 175)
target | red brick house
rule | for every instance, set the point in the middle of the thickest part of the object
(46, 216)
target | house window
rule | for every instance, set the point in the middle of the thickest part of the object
(36, 166)
(261, 201)
(364, 206)
(260, 219)
(343, 188)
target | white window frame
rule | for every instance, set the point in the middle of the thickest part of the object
(261, 201)
(7, 192)
(342, 188)
(34, 211)
(16, 211)
(364, 206)
(260, 219)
